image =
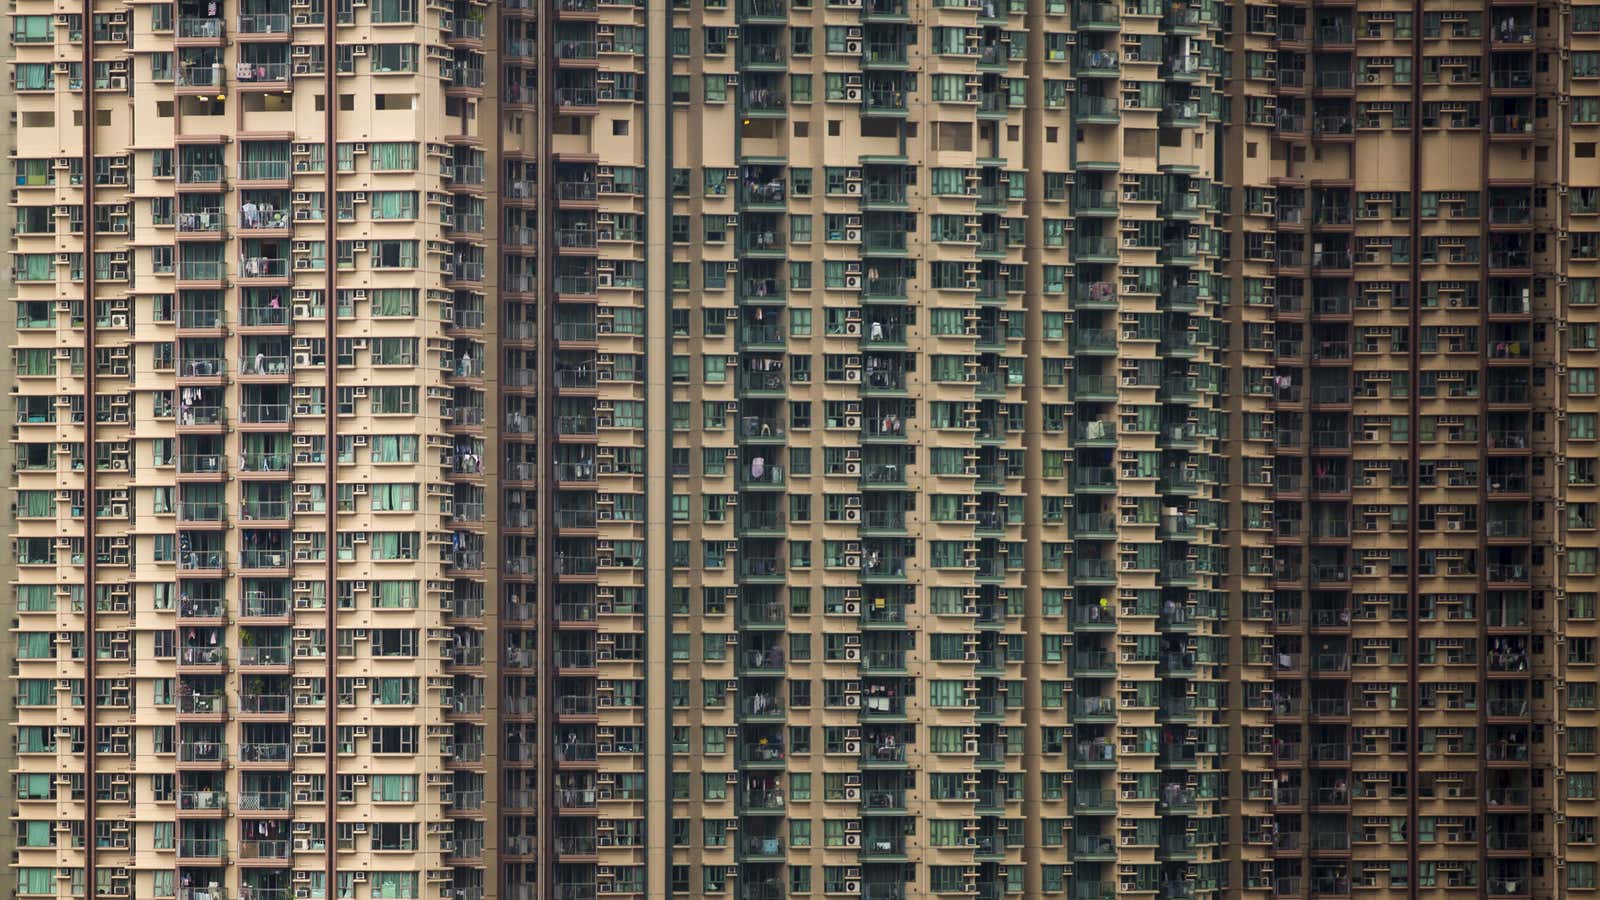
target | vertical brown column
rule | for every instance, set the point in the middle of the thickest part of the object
(658, 438)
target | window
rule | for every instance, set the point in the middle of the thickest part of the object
(394, 254)
(394, 788)
(390, 156)
(394, 884)
(392, 12)
(394, 205)
(394, 400)
(389, 58)
(394, 497)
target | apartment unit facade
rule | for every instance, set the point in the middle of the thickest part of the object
(874, 448)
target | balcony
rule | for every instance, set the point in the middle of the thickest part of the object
(763, 753)
(883, 848)
(884, 754)
(201, 849)
(204, 221)
(763, 100)
(752, 11)
(1178, 756)
(760, 707)
(566, 705)
(265, 704)
(1090, 801)
(272, 753)
(883, 661)
(1097, 63)
(1175, 847)
(1093, 201)
(884, 288)
(1093, 890)
(574, 751)
(203, 752)
(758, 241)
(760, 476)
(762, 801)
(1090, 571)
(200, 28)
(1095, 248)
(884, 568)
(1512, 126)
(879, 801)
(1095, 16)
(882, 612)
(202, 801)
(1511, 79)
(1177, 800)
(890, 521)
(1099, 753)
(1181, 252)
(1091, 109)
(892, 54)
(885, 11)
(263, 23)
(206, 704)
(1093, 664)
(762, 337)
(878, 192)
(1093, 340)
(264, 851)
(576, 659)
(761, 383)
(761, 55)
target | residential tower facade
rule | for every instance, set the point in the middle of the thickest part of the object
(760, 448)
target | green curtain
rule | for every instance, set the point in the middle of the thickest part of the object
(33, 787)
(394, 788)
(36, 692)
(34, 77)
(35, 598)
(34, 267)
(386, 545)
(397, 691)
(396, 595)
(395, 301)
(394, 205)
(394, 156)
(949, 368)
(32, 30)
(264, 160)
(394, 448)
(391, 12)
(37, 834)
(36, 881)
(394, 884)
(394, 58)
(35, 504)
(394, 498)
(394, 400)
(949, 181)
(34, 644)
(945, 832)
(944, 739)
(946, 693)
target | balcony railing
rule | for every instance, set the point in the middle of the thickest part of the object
(264, 23)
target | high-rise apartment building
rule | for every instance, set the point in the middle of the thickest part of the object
(885, 449)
